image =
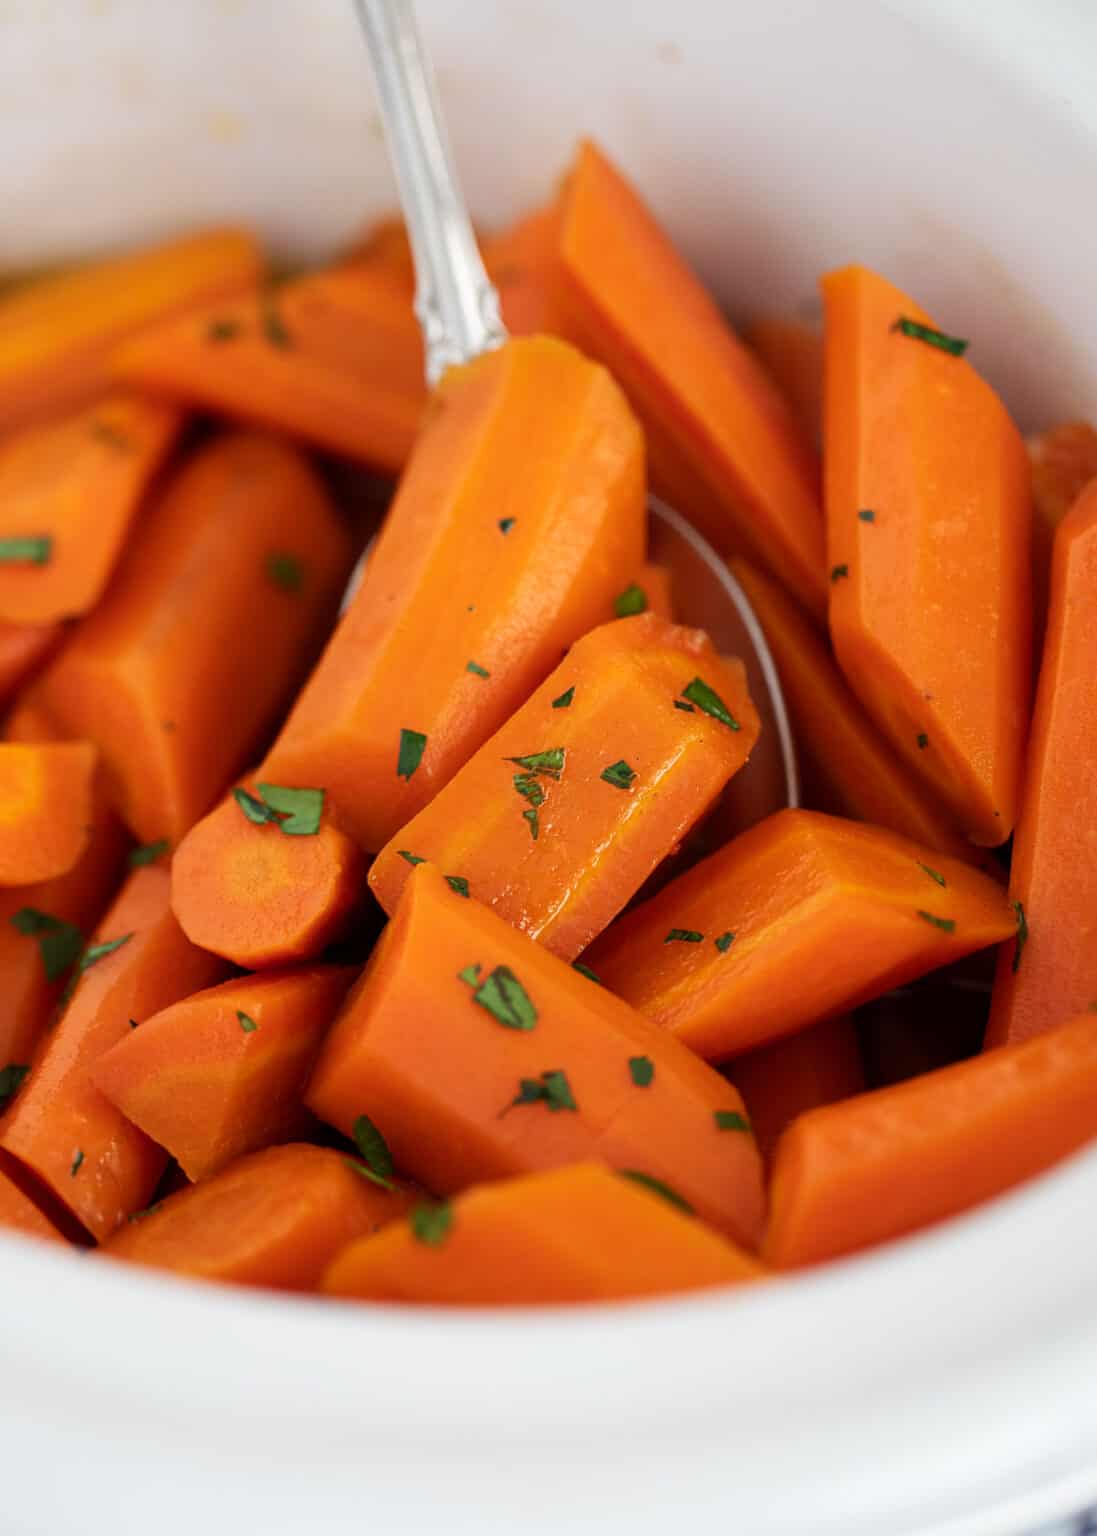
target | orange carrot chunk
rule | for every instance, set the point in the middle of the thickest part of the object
(56, 332)
(23, 649)
(215, 612)
(18, 1213)
(521, 262)
(890, 1162)
(724, 448)
(517, 515)
(1063, 462)
(60, 1127)
(275, 1219)
(45, 808)
(334, 358)
(561, 816)
(792, 354)
(802, 917)
(928, 519)
(581, 1233)
(69, 492)
(1050, 971)
(781, 1080)
(222, 1072)
(260, 898)
(516, 1062)
(848, 767)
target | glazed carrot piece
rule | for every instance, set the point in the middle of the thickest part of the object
(724, 448)
(60, 1127)
(222, 1072)
(895, 1160)
(521, 262)
(573, 1234)
(261, 899)
(792, 354)
(1063, 461)
(384, 244)
(69, 492)
(215, 613)
(18, 1213)
(56, 332)
(1050, 971)
(928, 516)
(783, 1079)
(334, 358)
(521, 508)
(563, 814)
(23, 649)
(649, 591)
(848, 767)
(275, 1219)
(802, 917)
(45, 808)
(516, 1062)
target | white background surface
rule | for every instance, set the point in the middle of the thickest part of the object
(946, 1385)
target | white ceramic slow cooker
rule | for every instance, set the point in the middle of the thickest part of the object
(947, 1384)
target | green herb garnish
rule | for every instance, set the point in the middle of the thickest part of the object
(412, 745)
(375, 1151)
(106, 432)
(657, 1187)
(550, 762)
(934, 874)
(724, 942)
(839, 572)
(286, 571)
(922, 740)
(298, 810)
(683, 936)
(527, 786)
(506, 524)
(946, 924)
(505, 998)
(11, 1080)
(31, 550)
(246, 1022)
(730, 1120)
(551, 1088)
(950, 344)
(431, 1223)
(77, 1160)
(534, 823)
(59, 943)
(585, 970)
(686, 708)
(222, 330)
(867, 515)
(641, 1069)
(710, 703)
(619, 774)
(412, 858)
(96, 952)
(1022, 934)
(632, 600)
(564, 699)
(253, 808)
(458, 883)
(470, 975)
(148, 853)
(274, 327)
(476, 669)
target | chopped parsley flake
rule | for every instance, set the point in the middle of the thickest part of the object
(725, 941)
(585, 970)
(922, 740)
(934, 874)
(564, 699)
(657, 1187)
(76, 1162)
(505, 998)
(710, 703)
(470, 975)
(506, 524)
(286, 571)
(148, 853)
(946, 924)
(934, 338)
(476, 669)
(12, 1078)
(412, 858)
(59, 942)
(730, 1120)
(412, 746)
(550, 762)
(551, 1088)
(683, 936)
(619, 774)
(430, 1224)
(222, 330)
(298, 810)
(246, 1022)
(375, 1151)
(30, 550)
(641, 1069)
(1022, 934)
(632, 600)
(458, 883)
(839, 572)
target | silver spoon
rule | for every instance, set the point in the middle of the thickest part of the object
(458, 312)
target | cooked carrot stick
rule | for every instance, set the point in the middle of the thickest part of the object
(649, 591)
(848, 767)
(729, 453)
(56, 332)
(245, 891)
(562, 815)
(23, 649)
(217, 609)
(222, 1072)
(1050, 970)
(792, 354)
(384, 243)
(889, 1162)
(521, 262)
(478, 1054)
(783, 1079)
(19, 1213)
(1063, 461)
(928, 517)
(69, 492)
(45, 808)
(60, 1127)
(507, 540)
(802, 917)
(334, 357)
(574, 1234)
(275, 1219)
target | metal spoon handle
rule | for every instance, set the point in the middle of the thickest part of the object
(455, 302)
